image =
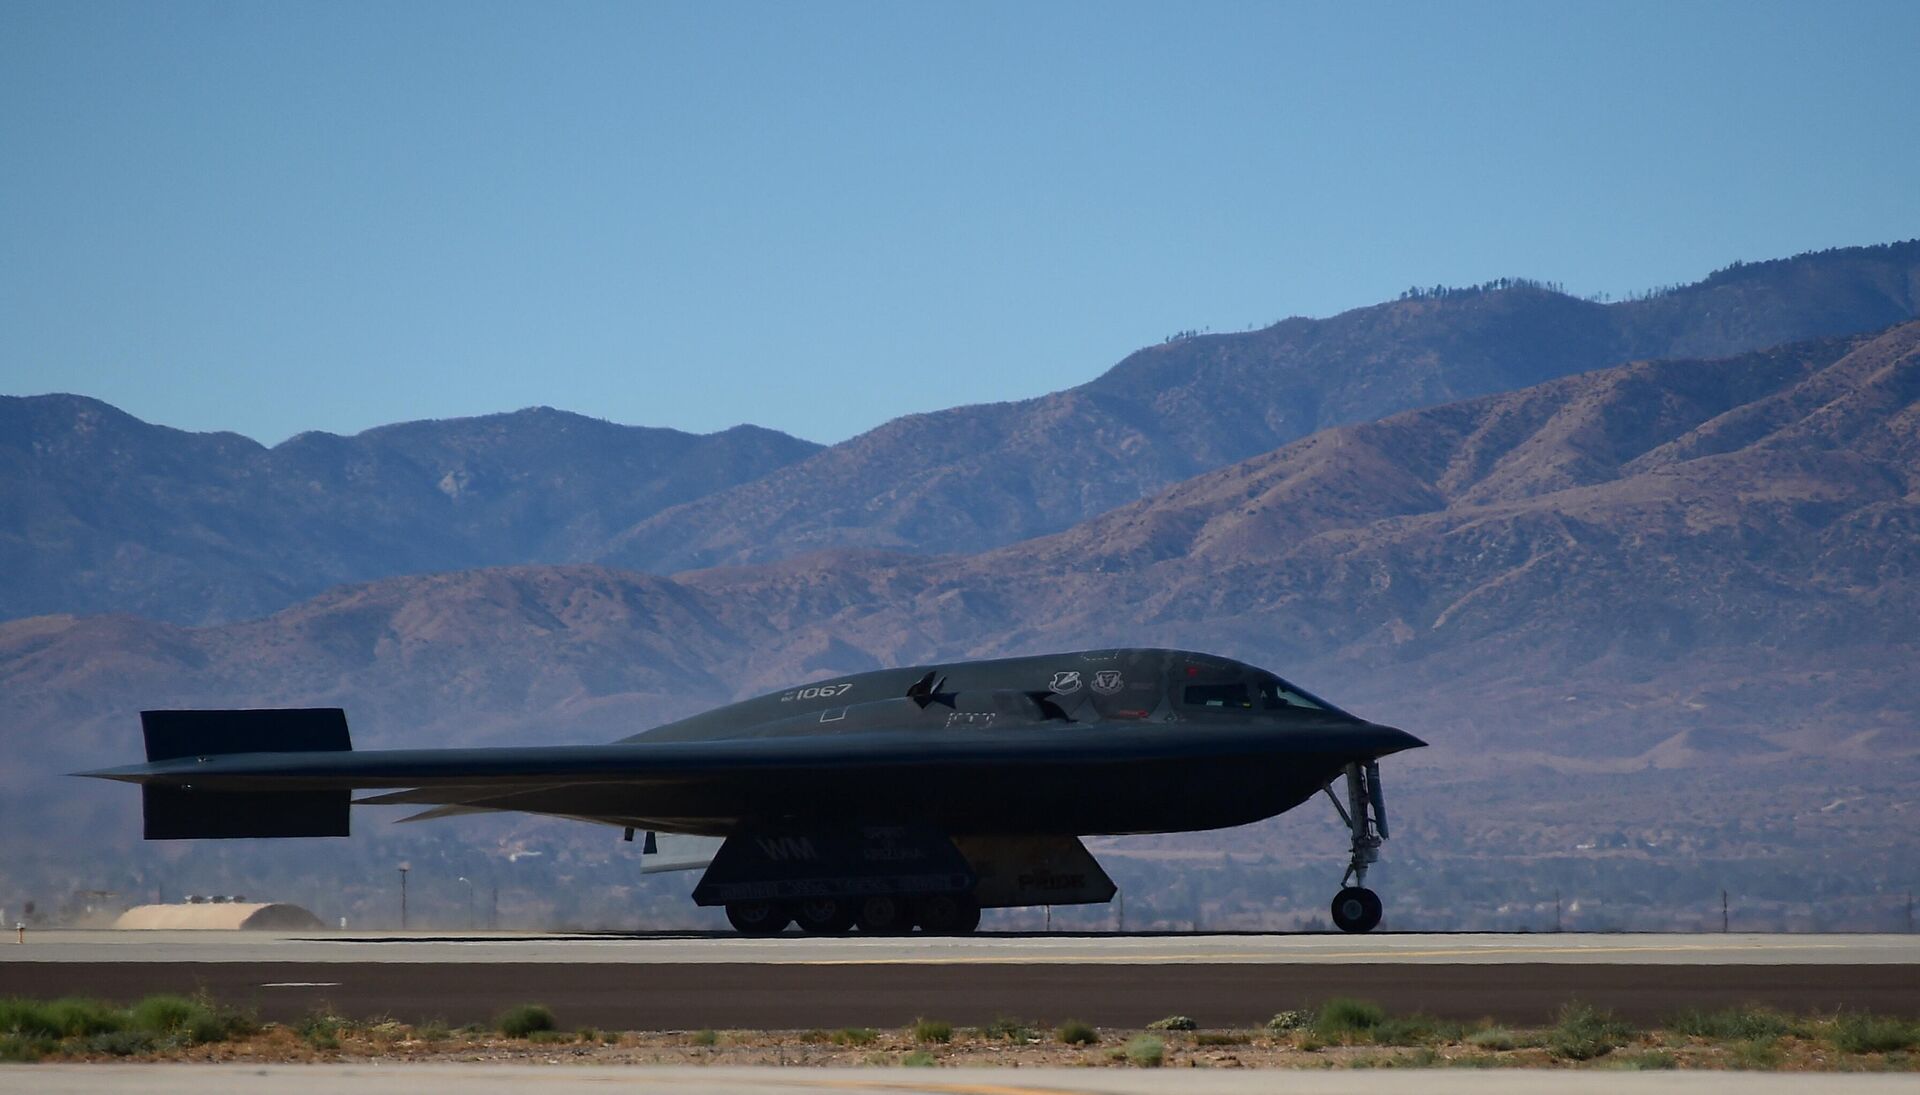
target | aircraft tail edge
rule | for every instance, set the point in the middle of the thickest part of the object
(183, 812)
(206, 733)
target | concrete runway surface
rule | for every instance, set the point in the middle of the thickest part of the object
(704, 948)
(568, 1079)
(655, 982)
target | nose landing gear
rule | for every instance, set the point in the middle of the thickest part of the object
(1356, 908)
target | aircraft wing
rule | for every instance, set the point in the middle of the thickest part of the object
(202, 779)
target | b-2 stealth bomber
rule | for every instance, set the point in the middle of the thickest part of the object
(886, 801)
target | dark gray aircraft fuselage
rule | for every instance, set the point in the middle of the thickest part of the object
(970, 755)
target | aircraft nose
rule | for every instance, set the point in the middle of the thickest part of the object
(1382, 739)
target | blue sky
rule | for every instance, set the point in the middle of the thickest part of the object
(271, 217)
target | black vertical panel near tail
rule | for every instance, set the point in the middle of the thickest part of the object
(180, 812)
(173, 734)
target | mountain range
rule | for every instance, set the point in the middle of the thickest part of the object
(105, 513)
(1567, 578)
(1672, 517)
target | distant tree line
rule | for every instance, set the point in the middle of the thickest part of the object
(1732, 272)
(1738, 270)
(1450, 292)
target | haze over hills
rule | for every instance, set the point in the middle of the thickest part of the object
(100, 512)
(982, 476)
(1664, 602)
(1709, 567)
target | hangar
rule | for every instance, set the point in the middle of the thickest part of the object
(219, 916)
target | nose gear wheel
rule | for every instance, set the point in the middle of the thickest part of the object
(1356, 909)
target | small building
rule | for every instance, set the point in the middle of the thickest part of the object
(219, 915)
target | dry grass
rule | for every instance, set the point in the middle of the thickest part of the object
(1350, 1035)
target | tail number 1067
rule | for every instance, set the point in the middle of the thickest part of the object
(816, 692)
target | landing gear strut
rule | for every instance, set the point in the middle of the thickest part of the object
(1356, 908)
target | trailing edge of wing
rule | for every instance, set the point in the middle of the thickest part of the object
(453, 810)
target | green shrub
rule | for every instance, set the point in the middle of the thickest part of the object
(434, 1030)
(855, 1036)
(1424, 1057)
(320, 1029)
(1009, 1028)
(1146, 1051)
(1755, 1055)
(28, 1019)
(1493, 1038)
(1585, 1032)
(919, 1058)
(1343, 1016)
(932, 1030)
(1649, 1060)
(1287, 1020)
(1073, 1032)
(73, 1017)
(1173, 1022)
(1731, 1024)
(1413, 1030)
(1862, 1032)
(19, 1047)
(1222, 1038)
(165, 1014)
(121, 1043)
(524, 1019)
(551, 1037)
(704, 1038)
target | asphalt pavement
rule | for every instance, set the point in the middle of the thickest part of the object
(627, 982)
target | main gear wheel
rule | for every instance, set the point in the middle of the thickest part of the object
(757, 917)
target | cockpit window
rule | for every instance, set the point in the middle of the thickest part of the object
(1277, 695)
(1218, 695)
(1268, 694)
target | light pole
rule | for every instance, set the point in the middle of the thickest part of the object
(469, 883)
(403, 897)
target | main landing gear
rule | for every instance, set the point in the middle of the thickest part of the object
(1356, 908)
(881, 914)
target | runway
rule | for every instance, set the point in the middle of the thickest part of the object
(652, 982)
(791, 948)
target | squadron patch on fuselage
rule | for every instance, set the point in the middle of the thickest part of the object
(1065, 682)
(1108, 681)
